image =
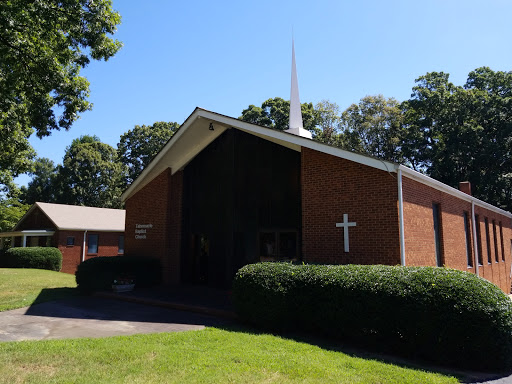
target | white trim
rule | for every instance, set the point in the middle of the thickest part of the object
(450, 190)
(401, 218)
(475, 243)
(27, 233)
(83, 247)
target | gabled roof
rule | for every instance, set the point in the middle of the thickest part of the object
(75, 217)
(195, 134)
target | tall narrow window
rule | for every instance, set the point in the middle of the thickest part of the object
(502, 245)
(92, 244)
(496, 253)
(436, 211)
(488, 240)
(479, 240)
(468, 240)
(120, 245)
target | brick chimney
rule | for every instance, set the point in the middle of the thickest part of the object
(465, 186)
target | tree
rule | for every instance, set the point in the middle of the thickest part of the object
(91, 174)
(43, 186)
(275, 113)
(138, 146)
(373, 127)
(328, 122)
(456, 133)
(11, 211)
(43, 45)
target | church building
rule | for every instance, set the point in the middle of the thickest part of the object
(223, 193)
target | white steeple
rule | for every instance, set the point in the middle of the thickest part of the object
(295, 125)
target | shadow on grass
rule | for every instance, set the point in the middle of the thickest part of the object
(55, 294)
(378, 353)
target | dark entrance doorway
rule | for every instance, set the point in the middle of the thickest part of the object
(239, 192)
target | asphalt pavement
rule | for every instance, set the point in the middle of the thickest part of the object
(97, 317)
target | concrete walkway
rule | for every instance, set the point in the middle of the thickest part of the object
(96, 317)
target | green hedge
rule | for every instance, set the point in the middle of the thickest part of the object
(33, 257)
(98, 273)
(448, 316)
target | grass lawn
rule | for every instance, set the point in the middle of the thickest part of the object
(22, 287)
(208, 356)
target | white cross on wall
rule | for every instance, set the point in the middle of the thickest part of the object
(345, 226)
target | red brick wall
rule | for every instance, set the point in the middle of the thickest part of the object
(159, 204)
(419, 233)
(108, 243)
(332, 186)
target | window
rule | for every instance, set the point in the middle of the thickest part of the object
(278, 245)
(70, 241)
(488, 240)
(437, 233)
(479, 240)
(496, 253)
(120, 245)
(468, 240)
(502, 245)
(92, 244)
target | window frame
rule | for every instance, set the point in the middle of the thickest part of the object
(89, 243)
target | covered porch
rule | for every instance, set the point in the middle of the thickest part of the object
(26, 238)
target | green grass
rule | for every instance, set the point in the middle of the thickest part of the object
(208, 356)
(23, 287)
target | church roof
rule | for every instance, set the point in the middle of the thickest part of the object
(75, 217)
(203, 126)
(195, 134)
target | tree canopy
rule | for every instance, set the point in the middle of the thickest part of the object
(44, 45)
(458, 133)
(138, 146)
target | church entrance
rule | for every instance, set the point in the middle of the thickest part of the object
(242, 204)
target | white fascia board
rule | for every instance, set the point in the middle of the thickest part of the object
(160, 155)
(412, 174)
(32, 232)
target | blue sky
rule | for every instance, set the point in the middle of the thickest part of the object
(225, 55)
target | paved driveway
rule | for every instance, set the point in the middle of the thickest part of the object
(96, 317)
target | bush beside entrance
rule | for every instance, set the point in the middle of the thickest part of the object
(444, 315)
(98, 273)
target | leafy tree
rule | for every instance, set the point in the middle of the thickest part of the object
(138, 146)
(275, 113)
(91, 174)
(43, 186)
(456, 133)
(11, 211)
(373, 127)
(328, 122)
(43, 45)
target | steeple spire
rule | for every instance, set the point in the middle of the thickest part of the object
(295, 124)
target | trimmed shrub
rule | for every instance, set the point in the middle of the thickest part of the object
(444, 315)
(34, 257)
(98, 273)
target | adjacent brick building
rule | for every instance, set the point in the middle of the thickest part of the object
(78, 232)
(223, 193)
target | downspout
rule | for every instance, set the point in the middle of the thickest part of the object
(401, 218)
(83, 246)
(475, 243)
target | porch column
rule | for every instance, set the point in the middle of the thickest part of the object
(24, 243)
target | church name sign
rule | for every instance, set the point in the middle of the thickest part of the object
(141, 230)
